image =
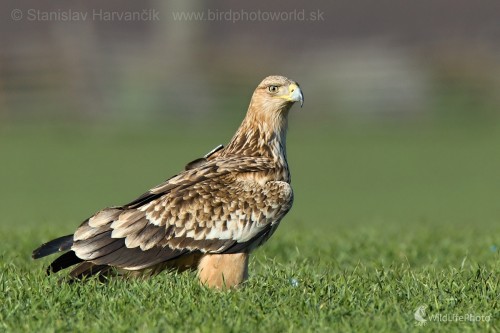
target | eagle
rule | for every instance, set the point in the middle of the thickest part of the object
(208, 218)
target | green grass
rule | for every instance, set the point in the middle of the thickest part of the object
(386, 219)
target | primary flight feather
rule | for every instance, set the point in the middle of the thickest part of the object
(209, 217)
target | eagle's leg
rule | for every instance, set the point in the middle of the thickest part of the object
(223, 270)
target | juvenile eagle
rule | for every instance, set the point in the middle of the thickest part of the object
(209, 216)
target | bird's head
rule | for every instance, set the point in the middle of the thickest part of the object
(276, 94)
(266, 119)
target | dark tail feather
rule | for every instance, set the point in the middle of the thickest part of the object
(63, 243)
(87, 269)
(66, 260)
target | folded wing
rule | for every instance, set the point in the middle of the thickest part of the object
(222, 206)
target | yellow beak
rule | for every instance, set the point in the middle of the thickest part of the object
(295, 94)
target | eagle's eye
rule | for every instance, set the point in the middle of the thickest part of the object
(273, 89)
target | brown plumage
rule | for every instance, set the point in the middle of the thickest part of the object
(210, 216)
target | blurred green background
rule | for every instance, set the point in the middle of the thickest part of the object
(401, 122)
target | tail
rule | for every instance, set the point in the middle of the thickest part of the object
(67, 259)
(60, 244)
